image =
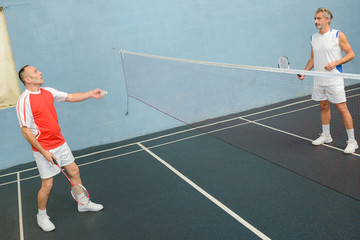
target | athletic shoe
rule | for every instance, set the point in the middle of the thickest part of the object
(351, 146)
(44, 223)
(90, 207)
(322, 139)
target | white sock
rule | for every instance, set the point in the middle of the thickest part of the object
(350, 133)
(42, 212)
(326, 129)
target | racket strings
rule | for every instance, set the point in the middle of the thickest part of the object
(80, 194)
(284, 62)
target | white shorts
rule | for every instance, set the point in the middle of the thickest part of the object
(334, 94)
(63, 155)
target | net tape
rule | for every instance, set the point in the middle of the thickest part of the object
(247, 67)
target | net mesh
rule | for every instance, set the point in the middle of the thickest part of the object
(216, 98)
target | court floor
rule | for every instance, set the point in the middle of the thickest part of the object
(253, 175)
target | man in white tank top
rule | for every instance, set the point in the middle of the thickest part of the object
(326, 55)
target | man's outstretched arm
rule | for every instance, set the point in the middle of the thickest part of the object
(81, 96)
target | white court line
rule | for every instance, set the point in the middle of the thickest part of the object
(7, 183)
(25, 170)
(294, 135)
(291, 134)
(207, 195)
(111, 157)
(218, 122)
(295, 103)
(21, 226)
(278, 130)
(197, 128)
(21, 180)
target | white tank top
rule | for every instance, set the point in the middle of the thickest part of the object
(326, 49)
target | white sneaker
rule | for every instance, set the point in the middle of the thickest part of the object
(90, 207)
(44, 223)
(351, 146)
(322, 139)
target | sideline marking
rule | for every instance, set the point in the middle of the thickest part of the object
(21, 226)
(207, 195)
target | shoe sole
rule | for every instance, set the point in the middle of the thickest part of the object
(316, 144)
(89, 210)
(347, 152)
(46, 230)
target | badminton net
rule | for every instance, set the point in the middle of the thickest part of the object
(215, 98)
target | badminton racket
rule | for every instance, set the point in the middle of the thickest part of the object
(78, 191)
(284, 63)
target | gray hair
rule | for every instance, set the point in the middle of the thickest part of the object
(326, 12)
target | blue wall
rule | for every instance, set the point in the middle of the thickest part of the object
(76, 46)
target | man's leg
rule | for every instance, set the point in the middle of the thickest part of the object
(325, 113)
(345, 114)
(73, 171)
(44, 192)
(43, 219)
(74, 174)
(348, 123)
(325, 116)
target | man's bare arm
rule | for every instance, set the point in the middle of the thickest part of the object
(35, 143)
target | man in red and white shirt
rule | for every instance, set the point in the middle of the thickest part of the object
(39, 125)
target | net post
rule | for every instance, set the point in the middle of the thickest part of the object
(126, 87)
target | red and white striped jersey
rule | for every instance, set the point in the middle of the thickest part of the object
(36, 111)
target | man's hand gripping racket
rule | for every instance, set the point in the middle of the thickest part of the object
(78, 191)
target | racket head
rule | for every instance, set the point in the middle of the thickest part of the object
(283, 62)
(80, 194)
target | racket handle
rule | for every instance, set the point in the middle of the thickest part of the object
(55, 162)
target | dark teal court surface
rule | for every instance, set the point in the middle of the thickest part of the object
(253, 176)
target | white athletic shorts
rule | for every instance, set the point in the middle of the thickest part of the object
(63, 156)
(334, 94)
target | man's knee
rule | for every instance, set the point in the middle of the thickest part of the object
(342, 108)
(47, 184)
(72, 169)
(324, 105)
